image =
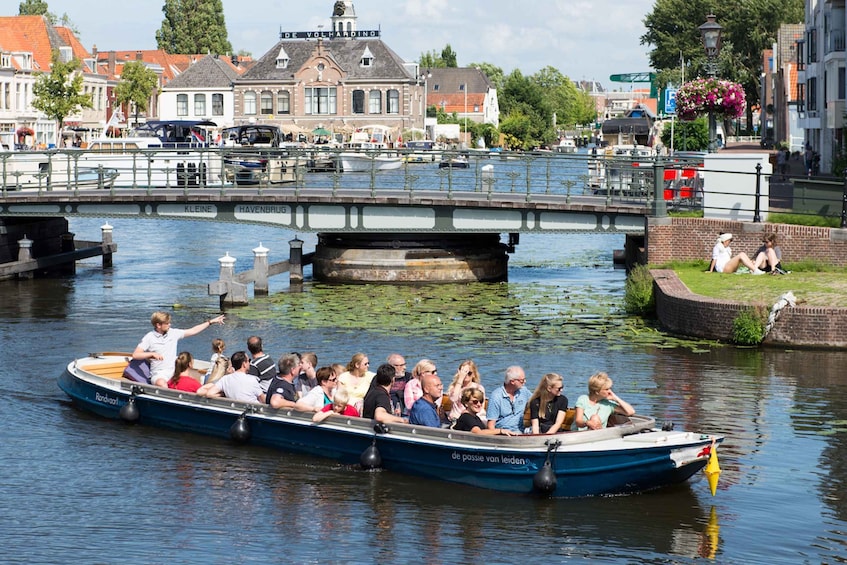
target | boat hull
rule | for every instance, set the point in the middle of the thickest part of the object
(619, 460)
(363, 163)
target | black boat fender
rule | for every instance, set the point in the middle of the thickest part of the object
(370, 458)
(129, 411)
(240, 430)
(544, 481)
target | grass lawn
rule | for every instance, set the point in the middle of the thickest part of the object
(812, 288)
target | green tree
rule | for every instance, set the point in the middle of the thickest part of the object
(749, 27)
(58, 93)
(449, 57)
(570, 105)
(137, 84)
(527, 117)
(33, 8)
(431, 60)
(687, 136)
(193, 26)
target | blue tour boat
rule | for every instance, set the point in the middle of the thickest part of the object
(632, 456)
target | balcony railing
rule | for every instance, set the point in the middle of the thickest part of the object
(834, 41)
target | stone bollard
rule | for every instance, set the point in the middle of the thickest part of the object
(295, 261)
(235, 293)
(106, 239)
(260, 269)
(25, 254)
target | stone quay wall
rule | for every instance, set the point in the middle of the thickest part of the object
(682, 312)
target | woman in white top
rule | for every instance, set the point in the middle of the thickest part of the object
(321, 395)
(724, 262)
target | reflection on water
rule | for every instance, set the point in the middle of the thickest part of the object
(783, 413)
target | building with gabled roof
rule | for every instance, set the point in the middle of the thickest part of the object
(204, 91)
(26, 47)
(466, 92)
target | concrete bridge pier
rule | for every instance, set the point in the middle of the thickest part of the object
(409, 258)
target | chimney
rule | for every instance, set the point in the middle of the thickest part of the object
(94, 52)
(234, 59)
(113, 63)
(139, 56)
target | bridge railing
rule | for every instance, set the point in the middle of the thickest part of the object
(530, 176)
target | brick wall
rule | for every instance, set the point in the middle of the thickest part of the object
(693, 238)
(682, 312)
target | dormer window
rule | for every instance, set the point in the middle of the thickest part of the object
(367, 58)
(282, 59)
(5, 60)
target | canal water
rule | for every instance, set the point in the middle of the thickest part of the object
(77, 488)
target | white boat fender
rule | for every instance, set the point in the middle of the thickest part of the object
(371, 459)
(544, 481)
(129, 411)
(240, 430)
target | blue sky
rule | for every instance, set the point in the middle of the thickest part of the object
(584, 39)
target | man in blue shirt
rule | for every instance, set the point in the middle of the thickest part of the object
(507, 403)
(424, 411)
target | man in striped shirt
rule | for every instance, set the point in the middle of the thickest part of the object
(261, 365)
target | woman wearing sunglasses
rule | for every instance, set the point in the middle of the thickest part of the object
(473, 400)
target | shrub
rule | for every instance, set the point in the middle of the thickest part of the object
(638, 292)
(748, 328)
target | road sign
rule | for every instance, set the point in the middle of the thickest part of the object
(670, 101)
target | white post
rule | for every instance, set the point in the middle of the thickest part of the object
(260, 269)
(106, 239)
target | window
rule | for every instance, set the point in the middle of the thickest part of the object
(282, 59)
(841, 87)
(320, 100)
(367, 58)
(267, 102)
(250, 103)
(283, 103)
(812, 43)
(199, 104)
(358, 101)
(393, 101)
(812, 94)
(375, 102)
(181, 104)
(217, 104)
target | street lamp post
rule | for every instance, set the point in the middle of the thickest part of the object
(425, 78)
(711, 34)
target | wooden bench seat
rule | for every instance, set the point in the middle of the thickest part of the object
(113, 370)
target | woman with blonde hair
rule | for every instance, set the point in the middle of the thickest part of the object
(472, 399)
(413, 389)
(466, 377)
(548, 406)
(356, 380)
(593, 410)
(181, 379)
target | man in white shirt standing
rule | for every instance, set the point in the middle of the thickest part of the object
(159, 346)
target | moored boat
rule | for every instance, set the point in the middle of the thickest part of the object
(632, 456)
(368, 151)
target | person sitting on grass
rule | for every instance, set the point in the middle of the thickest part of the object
(723, 260)
(769, 256)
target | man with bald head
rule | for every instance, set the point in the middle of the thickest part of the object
(424, 411)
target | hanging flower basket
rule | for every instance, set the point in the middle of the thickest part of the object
(24, 131)
(710, 95)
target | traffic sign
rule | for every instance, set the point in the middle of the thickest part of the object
(670, 101)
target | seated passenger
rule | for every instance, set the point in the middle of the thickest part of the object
(356, 379)
(182, 380)
(466, 377)
(507, 403)
(338, 406)
(424, 411)
(768, 257)
(473, 400)
(238, 385)
(593, 410)
(548, 406)
(321, 395)
(306, 378)
(724, 262)
(281, 391)
(413, 389)
(377, 403)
